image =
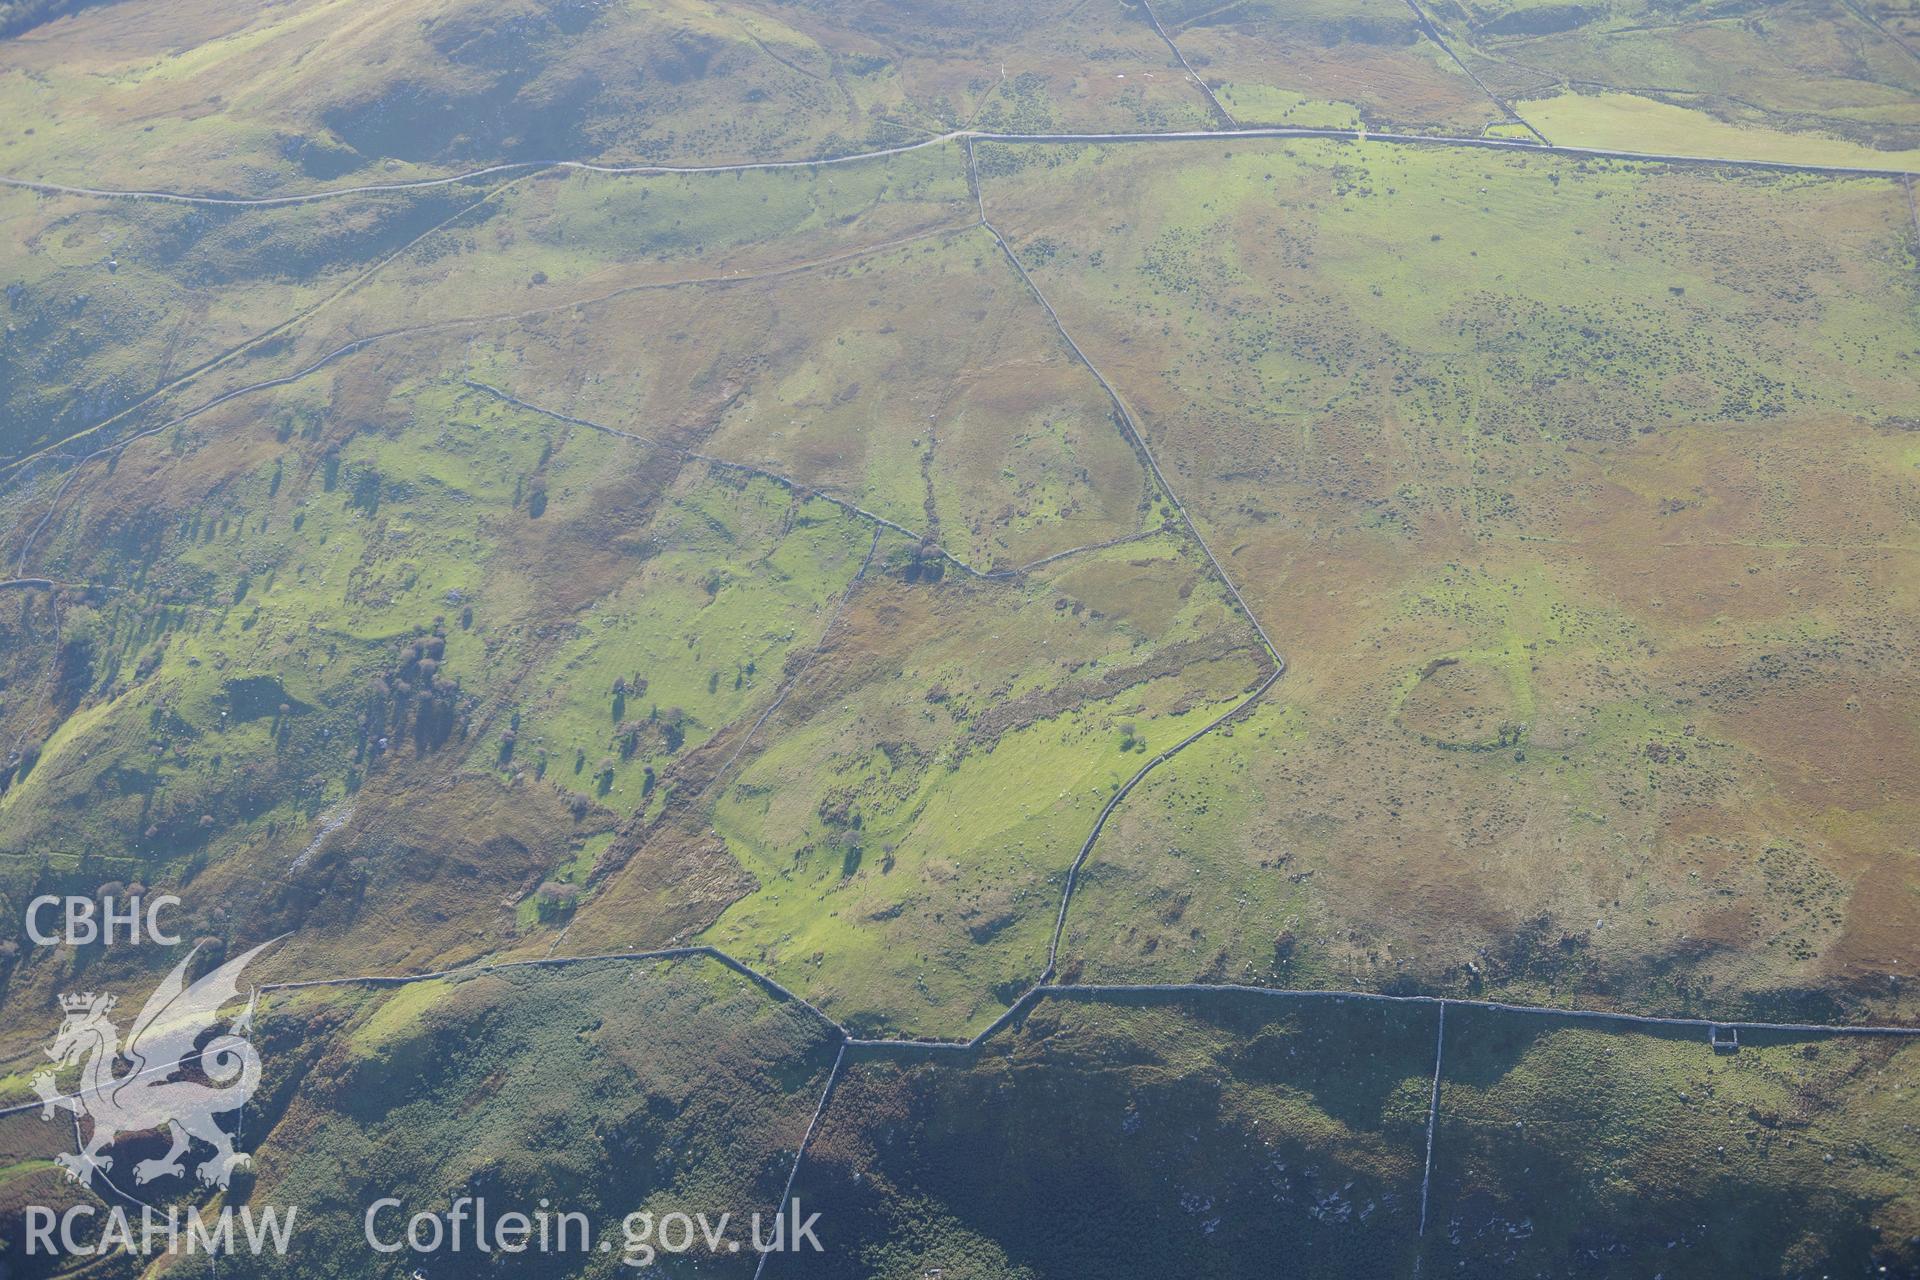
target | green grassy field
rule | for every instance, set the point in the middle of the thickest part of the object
(919, 799)
(1629, 123)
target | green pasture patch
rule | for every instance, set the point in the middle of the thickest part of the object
(1259, 104)
(302, 572)
(739, 587)
(1629, 122)
(909, 825)
(1188, 883)
(399, 1015)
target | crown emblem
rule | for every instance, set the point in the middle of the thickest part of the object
(168, 1033)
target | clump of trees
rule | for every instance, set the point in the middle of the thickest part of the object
(415, 699)
(555, 899)
(623, 688)
(657, 731)
(927, 565)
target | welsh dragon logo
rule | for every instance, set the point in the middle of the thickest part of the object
(150, 1096)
